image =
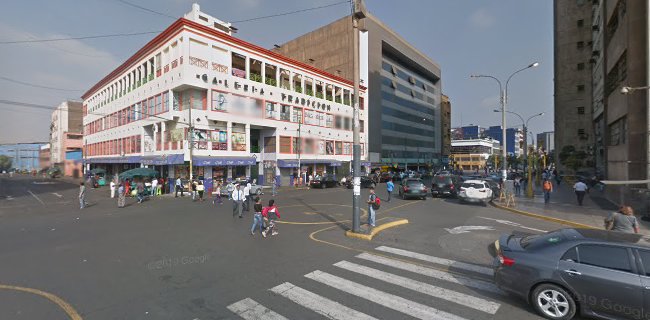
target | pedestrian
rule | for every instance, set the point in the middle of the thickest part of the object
(230, 188)
(193, 189)
(247, 197)
(271, 214)
(127, 188)
(545, 175)
(257, 216)
(547, 187)
(389, 188)
(237, 201)
(178, 187)
(517, 185)
(140, 191)
(121, 198)
(200, 188)
(622, 221)
(372, 204)
(580, 189)
(217, 194)
(82, 195)
(112, 189)
(154, 187)
(274, 186)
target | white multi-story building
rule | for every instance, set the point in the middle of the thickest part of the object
(255, 113)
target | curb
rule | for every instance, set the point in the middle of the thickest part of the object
(376, 230)
(542, 217)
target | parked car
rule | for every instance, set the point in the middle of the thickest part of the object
(257, 189)
(475, 191)
(595, 273)
(326, 181)
(412, 188)
(495, 187)
(365, 182)
(446, 185)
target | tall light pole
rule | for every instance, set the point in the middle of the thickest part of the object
(504, 102)
(358, 14)
(529, 189)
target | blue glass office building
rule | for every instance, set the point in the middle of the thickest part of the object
(24, 156)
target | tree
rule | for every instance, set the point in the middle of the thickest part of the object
(572, 158)
(5, 163)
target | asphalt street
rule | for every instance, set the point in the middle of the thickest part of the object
(171, 258)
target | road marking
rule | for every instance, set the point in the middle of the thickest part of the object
(438, 292)
(37, 198)
(45, 182)
(67, 308)
(514, 224)
(321, 305)
(436, 260)
(56, 194)
(9, 198)
(432, 273)
(249, 309)
(465, 229)
(387, 300)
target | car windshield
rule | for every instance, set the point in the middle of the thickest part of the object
(537, 241)
(473, 185)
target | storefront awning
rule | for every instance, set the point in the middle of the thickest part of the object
(131, 159)
(202, 161)
(163, 159)
(294, 163)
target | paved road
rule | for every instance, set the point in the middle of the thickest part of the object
(176, 259)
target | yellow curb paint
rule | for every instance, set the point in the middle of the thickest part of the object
(69, 310)
(542, 217)
(376, 230)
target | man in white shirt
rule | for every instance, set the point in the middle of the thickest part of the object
(237, 201)
(581, 189)
(154, 187)
(178, 187)
(112, 189)
(247, 195)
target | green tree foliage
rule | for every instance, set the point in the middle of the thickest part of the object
(571, 158)
(5, 163)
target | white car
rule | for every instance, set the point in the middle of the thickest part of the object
(475, 191)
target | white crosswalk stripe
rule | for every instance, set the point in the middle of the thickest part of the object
(326, 307)
(437, 260)
(250, 310)
(438, 292)
(430, 272)
(388, 300)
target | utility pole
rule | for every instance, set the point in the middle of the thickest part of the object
(359, 13)
(299, 147)
(191, 146)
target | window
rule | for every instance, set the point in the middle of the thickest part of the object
(347, 123)
(338, 122)
(361, 126)
(580, 87)
(581, 110)
(614, 258)
(580, 44)
(618, 132)
(158, 104)
(580, 23)
(297, 115)
(339, 147)
(285, 113)
(165, 102)
(295, 145)
(329, 120)
(270, 110)
(285, 144)
(238, 65)
(580, 66)
(645, 259)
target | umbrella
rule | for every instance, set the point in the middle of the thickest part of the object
(138, 172)
(97, 171)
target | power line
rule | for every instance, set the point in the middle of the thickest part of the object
(81, 38)
(37, 86)
(292, 12)
(146, 9)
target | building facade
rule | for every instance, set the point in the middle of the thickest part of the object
(472, 132)
(546, 141)
(66, 135)
(235, 109)
(404, 87)
(473, 154)
(445, 126)
(24, 156)
(44, 156)
(573, 75)
(514, 139)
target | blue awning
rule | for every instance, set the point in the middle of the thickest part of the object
(163, 159)
(131, 159)
(294, 163)
(203, 161)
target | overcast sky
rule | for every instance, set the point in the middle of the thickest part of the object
(464, 37)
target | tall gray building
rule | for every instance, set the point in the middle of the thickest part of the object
(404, 87)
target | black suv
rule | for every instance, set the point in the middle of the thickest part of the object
(326, 181)
(446, 185)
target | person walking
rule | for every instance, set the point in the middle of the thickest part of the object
(140, 189)
(247, 197)
(178, 187)
(200, 188)
(372, 200)
(580, 189)
(82, 195)
(121, 198)
(547, 187)
(237, 201)
(517, 185)
(127, 188)
(193, 189)
(274, 186)
(271, 214)
(217, 195)
(154, 187)
(112, 189)
(230, 188)
(257, 216)
(389, 188)
(622, 221)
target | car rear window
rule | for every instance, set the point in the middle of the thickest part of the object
(538, 241)
(414, 183)
(443, 179)
(473, 185)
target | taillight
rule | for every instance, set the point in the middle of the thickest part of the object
(451, 187)
(406, 188)
(505, 260)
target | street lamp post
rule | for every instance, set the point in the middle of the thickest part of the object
(504, 101)
(358, 14)
(524, 123)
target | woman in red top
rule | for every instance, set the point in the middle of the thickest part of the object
(271, 213)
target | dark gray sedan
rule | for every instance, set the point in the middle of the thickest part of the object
(596, 273)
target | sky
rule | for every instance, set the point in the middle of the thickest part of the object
(465, 37)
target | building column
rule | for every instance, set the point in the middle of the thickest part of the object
(263, 71)
(248, 148)
(248, 68)
(163, 128)
(229, 138)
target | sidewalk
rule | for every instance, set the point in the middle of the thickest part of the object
(564, 205)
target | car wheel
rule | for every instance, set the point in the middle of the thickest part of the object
(553, 302)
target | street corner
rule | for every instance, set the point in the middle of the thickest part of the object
(29, 303)
(370, 232)
(316, 214)
(543, 216)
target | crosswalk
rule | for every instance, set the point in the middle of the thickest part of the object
(440, 297)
